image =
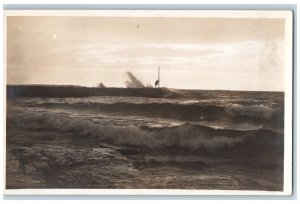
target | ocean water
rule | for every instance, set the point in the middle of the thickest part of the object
(188, 140)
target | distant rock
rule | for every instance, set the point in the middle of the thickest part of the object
(101, 85)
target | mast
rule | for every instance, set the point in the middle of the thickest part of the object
(158, 76)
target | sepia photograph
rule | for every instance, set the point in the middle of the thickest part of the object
(190, 101)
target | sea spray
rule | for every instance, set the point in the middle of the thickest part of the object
(133, 81)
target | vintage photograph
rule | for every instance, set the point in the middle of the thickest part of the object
(186, 100)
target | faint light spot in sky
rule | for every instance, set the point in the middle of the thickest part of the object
(54, 36)
(20, 27)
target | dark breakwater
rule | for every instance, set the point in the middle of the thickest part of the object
(14, 91)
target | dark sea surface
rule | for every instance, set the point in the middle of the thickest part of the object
(184, 140)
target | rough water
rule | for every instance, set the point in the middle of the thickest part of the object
(190, 140)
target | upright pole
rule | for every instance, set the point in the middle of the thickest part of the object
(158, 76)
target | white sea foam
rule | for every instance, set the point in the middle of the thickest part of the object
(259, 111)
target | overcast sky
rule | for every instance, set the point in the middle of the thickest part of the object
(193, 53)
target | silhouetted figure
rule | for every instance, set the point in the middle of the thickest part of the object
(157, 83)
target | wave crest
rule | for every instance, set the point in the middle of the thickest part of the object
(257, 111)
(188, 136)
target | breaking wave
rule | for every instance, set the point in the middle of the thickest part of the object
(189, 136)
(257, 111)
